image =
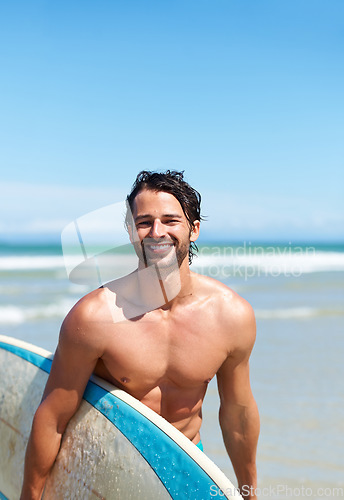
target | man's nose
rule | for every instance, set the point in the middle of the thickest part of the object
(157, 229)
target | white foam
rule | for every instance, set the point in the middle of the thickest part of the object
(12, 315)
(31, 262)
(274, 263)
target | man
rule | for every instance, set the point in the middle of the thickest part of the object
(160, 333)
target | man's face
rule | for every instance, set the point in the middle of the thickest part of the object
(162, 228)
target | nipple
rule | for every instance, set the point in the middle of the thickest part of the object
(207, 381)
(125, 380)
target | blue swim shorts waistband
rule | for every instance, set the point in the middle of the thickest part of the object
(200, 445)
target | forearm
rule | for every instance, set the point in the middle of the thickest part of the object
(41, 452)
(240, 430)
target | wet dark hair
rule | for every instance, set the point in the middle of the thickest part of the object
(171, 182)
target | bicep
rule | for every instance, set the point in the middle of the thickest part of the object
(234, 385)
(72, 366)
(233, 377)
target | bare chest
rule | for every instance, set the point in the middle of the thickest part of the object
(141, 355)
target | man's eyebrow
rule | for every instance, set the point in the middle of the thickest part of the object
(173, 216)
(143, 216)
(149, 216)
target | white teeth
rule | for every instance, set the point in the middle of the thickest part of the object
(159, 247)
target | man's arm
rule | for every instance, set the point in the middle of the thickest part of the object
(239, 417)
(73, 363)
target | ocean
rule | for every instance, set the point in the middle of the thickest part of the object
(297, 369)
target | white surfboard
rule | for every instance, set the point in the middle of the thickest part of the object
(113, 448)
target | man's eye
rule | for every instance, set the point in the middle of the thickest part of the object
(143, 224)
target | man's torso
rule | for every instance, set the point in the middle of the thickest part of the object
(166, 358)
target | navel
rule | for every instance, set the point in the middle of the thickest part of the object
(125, 380)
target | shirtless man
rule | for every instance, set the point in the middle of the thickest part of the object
(161, 334)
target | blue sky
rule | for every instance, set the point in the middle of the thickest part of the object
(246, 97)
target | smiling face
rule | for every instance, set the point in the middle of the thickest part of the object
(163, 231)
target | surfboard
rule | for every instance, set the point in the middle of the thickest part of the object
(114, 447)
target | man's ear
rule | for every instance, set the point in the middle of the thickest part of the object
(195, 230)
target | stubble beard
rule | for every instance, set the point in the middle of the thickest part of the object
(176, 256)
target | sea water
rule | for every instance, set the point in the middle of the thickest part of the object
(297, 369)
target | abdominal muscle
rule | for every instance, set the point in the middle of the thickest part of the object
(180, 406)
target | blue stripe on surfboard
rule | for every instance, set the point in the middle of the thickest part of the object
(2, 496)
(180, 474)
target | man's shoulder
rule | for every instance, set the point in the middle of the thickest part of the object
(91, 306)
(85, 321)
(234, 313)
(222, 294)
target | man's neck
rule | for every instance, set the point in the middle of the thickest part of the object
(163, 287)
